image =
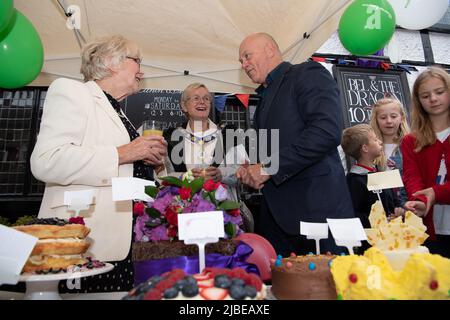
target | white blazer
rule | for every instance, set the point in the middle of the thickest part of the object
(76, 149)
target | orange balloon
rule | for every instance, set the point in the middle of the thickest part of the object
(261, 255)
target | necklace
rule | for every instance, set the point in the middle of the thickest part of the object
(201, 142)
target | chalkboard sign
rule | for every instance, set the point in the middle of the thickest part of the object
(160, 105)
(361, 87)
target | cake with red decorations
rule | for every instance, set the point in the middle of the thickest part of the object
(61, 244)
(211, 284)
(303, 278)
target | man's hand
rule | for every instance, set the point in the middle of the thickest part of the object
(253, 175)
(397, 213)
(430, 195)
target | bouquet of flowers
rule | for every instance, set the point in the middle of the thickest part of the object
(158, 220)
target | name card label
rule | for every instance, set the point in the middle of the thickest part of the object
(16, 247)
(201, 228)
(384, 180)
(314, 230)
(80, 197)
(129, 188)
(200, 225)
(347, 232)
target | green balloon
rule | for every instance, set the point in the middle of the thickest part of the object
(366, 26)
(6, 12)
(21, 54)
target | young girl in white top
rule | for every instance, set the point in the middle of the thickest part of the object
(389, 122)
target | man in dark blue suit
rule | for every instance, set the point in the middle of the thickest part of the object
(306, 182)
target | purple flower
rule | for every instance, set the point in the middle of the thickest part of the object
(221, 193)
(139, 227)
(159, 233)
(204, 205)
(167, 190)
(162, 203)
(229, 218)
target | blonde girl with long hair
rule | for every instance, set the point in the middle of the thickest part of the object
(390, 124)
(426, 157)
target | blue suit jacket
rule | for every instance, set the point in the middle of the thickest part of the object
(303, 103)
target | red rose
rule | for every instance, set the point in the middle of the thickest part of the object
(76, 220)
(210, 185)
(234, 212)
(171, 216)
(172, 231)
(185, 193)
(138, 209)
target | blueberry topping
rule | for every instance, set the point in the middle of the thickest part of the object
(250, 291)
(222, 281)
(190, 280)
(48, 221)
(237, 282)
(171, 293)
(190, 290)
(180, 284)
(237, 292)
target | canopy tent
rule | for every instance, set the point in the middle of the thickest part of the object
(182, 41)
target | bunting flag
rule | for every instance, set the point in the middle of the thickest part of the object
(219, 102)
(318, 59)
(244, 98)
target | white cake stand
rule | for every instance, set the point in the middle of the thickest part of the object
(45, 286)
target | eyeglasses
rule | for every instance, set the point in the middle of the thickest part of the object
(197, 99)
(137, 60)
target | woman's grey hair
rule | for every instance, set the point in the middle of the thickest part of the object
(189, 88)
(98, 56)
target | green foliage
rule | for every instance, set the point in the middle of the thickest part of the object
(230, 229)
(151, 191)
(23, 220)
(152, 212)
(228, 205)
(5, 221)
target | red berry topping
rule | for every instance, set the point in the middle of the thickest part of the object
(353, 278)
(153, 295)
(254, 280)
(76, 220)
(213, 293)
(293, 255)
(434, 285)
(238, 273)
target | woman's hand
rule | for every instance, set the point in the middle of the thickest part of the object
(430, 195)
(150, 149)
(417, 207)
(210, 173)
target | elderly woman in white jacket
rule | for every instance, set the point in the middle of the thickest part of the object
(85, 139)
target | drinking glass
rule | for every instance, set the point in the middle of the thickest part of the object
(152, 127)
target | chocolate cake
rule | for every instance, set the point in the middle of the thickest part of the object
(303, 278)
(142, 251)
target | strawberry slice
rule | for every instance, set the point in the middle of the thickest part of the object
(205, 283)
(200, 277)
(213, 293)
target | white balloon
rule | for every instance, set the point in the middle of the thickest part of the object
(418, 14)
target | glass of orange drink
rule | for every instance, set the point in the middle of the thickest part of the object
(152, 127)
